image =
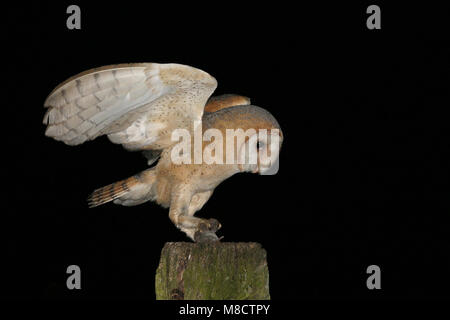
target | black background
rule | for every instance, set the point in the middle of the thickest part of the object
(364, 169)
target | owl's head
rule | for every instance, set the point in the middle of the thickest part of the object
(259, 139)
(260, 153)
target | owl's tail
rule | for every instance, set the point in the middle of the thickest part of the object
(129, 192)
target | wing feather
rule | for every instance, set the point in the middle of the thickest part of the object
(111, 99)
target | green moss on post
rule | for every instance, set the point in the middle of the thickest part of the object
(212, 271)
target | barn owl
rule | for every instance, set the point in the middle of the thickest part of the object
(139, 106)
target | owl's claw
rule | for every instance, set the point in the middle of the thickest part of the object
(209, 225)
(214, 225)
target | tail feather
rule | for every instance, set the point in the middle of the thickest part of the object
(131, 191)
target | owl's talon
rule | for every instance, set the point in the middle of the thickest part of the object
(214, 225)
(209, 225)
(206, 231)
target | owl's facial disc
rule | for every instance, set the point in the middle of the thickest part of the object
(259, 154)
(268, 153)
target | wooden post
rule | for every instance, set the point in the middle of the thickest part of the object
(212, 271)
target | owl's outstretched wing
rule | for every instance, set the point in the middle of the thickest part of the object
(137, 105)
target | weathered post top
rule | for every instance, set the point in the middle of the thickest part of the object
(212, 271)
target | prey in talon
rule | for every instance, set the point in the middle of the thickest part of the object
(207, 231)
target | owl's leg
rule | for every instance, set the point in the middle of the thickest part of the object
(206, 230)
(181, 210)
(198, 200)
